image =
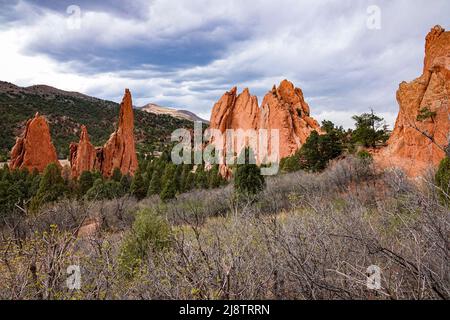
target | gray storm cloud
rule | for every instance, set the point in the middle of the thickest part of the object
(187, 54)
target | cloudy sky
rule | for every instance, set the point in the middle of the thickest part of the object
(347, 56)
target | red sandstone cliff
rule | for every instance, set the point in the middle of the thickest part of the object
(409, 147)
(34, 149)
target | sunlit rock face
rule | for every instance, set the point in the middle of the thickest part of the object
(410, 146)
(283, 108)
(118, 152)
(82, 155)
(34, 149)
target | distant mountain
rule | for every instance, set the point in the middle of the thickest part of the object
(180, 114)
(67, 111)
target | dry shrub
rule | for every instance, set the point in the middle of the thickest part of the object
(309, 236)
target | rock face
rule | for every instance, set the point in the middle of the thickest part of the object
(411, 146)
(34, 149)
(118, 152)
(83, 155)
(283, 108)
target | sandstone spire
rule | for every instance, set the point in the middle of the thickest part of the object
(82, 154)
(34, 149)
(409, 147)
(119, 151)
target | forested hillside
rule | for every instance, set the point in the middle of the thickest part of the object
(66, 111)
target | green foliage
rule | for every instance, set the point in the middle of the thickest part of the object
(318, 150)
(442, 180)
(370, 130)
(215, 179)
(248, 180)
(105, 189)
(169, 188)
(155, 182)
(184, 183)
(51, 187)
(85, 182)
(117, 175)
(66, 112)
(150, 232)
(291, 164)
(138, 186)
(425, 113)
(17, 187)
(364, 155)
(125, 182)
(201, 178)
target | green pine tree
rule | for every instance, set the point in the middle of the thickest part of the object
(117, 175)
(169, 189)
(155, 182)
(248, 180)
(215, 179)
(125, 182)
(178, 177)
(138, 187)
(442, 180)
(51, 187)
(85, 182)
(318, 150)
(201, 178)
(370, 130)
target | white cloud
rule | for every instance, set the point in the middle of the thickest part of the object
(324, 47)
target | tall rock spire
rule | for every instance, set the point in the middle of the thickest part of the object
(410, 146)
(120, 151)
(82, 154)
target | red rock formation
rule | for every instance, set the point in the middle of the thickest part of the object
(118, 152)
(283, 108)
(82, 155)
(409, 147)
(34, 149)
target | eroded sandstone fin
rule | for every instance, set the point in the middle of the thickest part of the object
(34, 149)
